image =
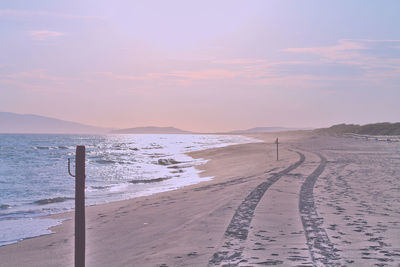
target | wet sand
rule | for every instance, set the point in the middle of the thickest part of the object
(327, 201)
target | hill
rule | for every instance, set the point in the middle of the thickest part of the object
(28, 123)
(383, 128)
(264, 130)
(151, 130)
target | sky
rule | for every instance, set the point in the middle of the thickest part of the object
(202, 65)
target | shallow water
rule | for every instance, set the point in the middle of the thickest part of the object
(34, 179)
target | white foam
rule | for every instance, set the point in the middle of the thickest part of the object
(113, 161)
(13, 231)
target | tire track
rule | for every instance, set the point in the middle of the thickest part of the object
(237, 231)
(322, 250)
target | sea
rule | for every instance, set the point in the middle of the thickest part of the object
(34, 179)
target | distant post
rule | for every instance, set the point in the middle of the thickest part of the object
(277, 149)
(79, 205)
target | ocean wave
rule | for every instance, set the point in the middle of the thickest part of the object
(166, 162)
(51, 147)
(46, 201)
(148, 181)
(4, 206)
(180, 166)
(127, 162)
(105, 161)
(100, 187)
(111, 162)
(155, 155)
(17, 215)
(153, 146)
(178, 171)
(41, 147)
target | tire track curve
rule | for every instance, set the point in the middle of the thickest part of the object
(237, 231)
(322, 250)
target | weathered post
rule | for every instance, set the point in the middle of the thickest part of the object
(277, 149)
(79, 205)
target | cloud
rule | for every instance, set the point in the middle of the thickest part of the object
(44, 35)
(38, 80)
(181, 77)
(343, 45)
(375, 59)
(240, 61)
(359, 63)
(350, 51)
(34, 74)
(346, 51)
(206, 74)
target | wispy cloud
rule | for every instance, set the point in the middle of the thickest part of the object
(240, 61)
(351, 51)
(38, 80)
(44, 35)
(376, 60)
(355, 62)
(205, 74)
(346, 51)
(34, 74)
(343, 45)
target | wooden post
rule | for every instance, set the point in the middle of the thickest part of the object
(277, 149)
(80, 206)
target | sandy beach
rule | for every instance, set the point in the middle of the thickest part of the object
(328, 201)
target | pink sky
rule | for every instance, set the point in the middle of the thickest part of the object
(209, 66)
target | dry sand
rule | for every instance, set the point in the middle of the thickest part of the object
(327, 201)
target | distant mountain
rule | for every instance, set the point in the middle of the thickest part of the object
(264, 130)
(28, 123)
(383, 128)
(151, 130)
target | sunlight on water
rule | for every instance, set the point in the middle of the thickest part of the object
(34, 179)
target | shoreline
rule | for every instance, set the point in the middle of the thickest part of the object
(327, 201)
(64, 231)
(178, 175)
